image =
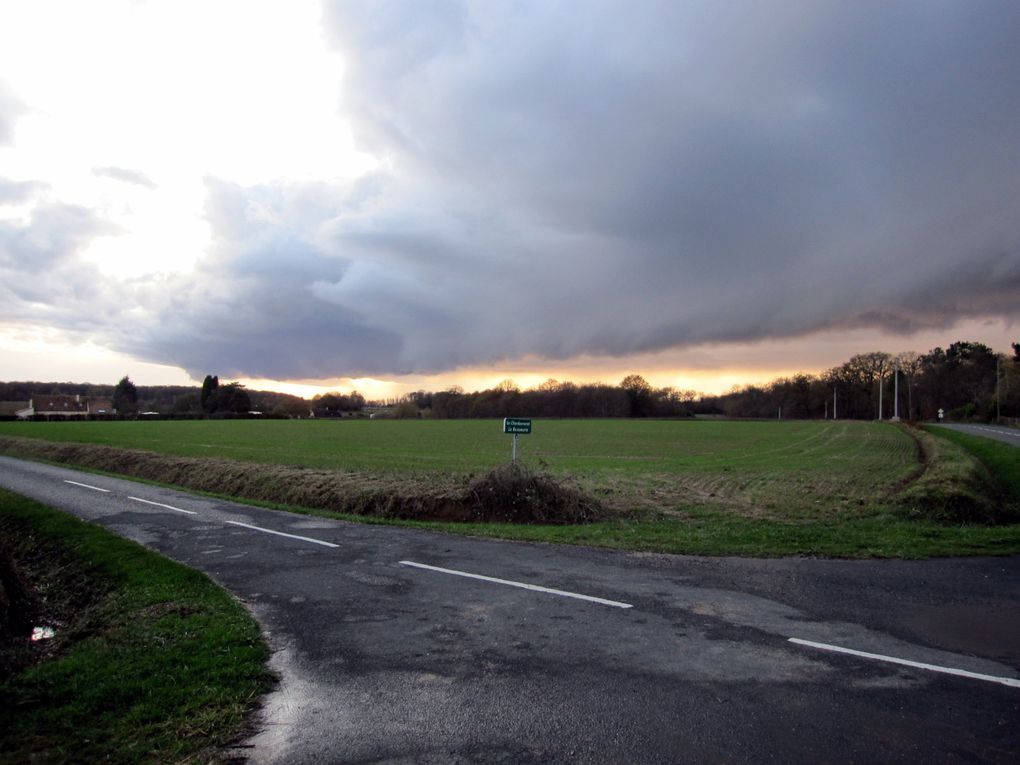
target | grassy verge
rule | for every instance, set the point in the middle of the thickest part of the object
(151, 662)
(1001, 459)
(958, 486)
(714, 533)
(509, 493)
(884, 534)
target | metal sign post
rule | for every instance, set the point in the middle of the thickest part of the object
(516, 427)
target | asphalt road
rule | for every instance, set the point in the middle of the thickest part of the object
(672, 659)
(995, 432)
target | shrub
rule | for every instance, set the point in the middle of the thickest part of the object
(514, 494)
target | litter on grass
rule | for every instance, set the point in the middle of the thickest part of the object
(42, 633)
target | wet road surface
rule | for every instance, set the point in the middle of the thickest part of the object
(396, 645)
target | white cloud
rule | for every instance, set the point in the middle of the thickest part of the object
(15, 193)
(162, 95)
(126, 175)
(10, 109)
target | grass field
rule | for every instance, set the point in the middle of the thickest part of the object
(713, 487)
(788, 470)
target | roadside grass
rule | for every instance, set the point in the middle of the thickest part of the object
(710, 488)
(1001, 459)
(716, 533)
(957, 486)
(151, 661)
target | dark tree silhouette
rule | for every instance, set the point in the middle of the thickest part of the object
(125, 397)
(209, 396)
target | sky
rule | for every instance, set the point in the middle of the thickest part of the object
(396, 195)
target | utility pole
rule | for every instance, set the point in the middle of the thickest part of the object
(896, 394)
(881, 379)
(910, 397)
(834, 402)
(997, 359)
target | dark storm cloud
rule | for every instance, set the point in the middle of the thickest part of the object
(133, 177)
(250, 309)
(609, 177)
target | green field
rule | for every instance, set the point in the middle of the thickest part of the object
(715, 487)
(759, 468)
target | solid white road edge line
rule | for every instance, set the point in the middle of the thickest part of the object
(86, 486)
(522, 585)
(1011, 682)
(160, 504)
(282, 534)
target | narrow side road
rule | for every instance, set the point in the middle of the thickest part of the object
(995, 432)
(397, 645)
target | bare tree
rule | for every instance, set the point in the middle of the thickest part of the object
(910, 365)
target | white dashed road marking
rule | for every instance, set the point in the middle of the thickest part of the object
(192, 512)
(86, 486)
(1007, 681)
(522, 585)
(160, 504)
(282, 534)
(1013, 683)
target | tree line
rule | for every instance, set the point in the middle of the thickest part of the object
(967, 380)
(633, 397)
(211, 400)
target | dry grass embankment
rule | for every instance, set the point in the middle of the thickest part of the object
(508, 494)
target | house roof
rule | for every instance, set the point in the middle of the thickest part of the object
(8, 408)
(59, 403)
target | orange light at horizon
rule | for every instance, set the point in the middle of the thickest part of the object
(704, 382)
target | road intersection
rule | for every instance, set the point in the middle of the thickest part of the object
(400, 645)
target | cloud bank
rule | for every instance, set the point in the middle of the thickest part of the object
(611, 178)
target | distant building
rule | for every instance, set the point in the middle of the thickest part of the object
(333, 414)
(101, 406)
(11, 408)
(66, 406)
